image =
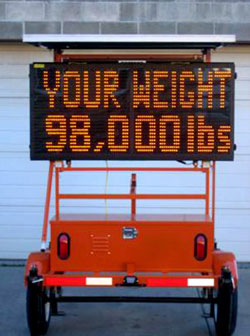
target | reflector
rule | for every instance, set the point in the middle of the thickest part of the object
(200, 247)
(63, 246)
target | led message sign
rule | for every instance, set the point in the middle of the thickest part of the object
(133, 111)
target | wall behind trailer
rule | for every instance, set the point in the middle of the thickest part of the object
(124, 17)
(23, 182)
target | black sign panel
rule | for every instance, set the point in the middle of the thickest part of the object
(132, 111)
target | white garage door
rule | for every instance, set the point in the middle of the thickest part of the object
(23, 183)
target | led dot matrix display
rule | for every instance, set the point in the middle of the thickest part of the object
(132, 111)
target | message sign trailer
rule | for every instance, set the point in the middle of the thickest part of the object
(132, 250)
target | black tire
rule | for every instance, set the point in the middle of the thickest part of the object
(38, 310)
(226, 312)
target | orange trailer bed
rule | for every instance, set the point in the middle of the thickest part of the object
(162, 243)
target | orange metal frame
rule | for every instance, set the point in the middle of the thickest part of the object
(217, 258)
(132, 196)
(60, 57)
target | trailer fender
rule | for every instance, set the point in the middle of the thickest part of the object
(225, 259)
(41, 260)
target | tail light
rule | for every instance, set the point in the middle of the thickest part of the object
(200, 247)
(63, 246)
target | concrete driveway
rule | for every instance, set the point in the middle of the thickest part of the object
(112, 319)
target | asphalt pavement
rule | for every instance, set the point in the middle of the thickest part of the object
(112, 319)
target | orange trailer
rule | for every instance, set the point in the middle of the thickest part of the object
(171, 250)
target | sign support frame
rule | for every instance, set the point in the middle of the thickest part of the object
(59, 57)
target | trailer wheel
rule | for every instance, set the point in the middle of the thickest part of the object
(38, 310)
(226, 308)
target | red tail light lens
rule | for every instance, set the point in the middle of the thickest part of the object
(63, 246)
(200, 247)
